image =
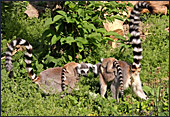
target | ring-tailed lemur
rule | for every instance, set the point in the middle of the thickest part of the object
(114, 78)
(108, 71)
(134, 70)
(51, 80)
(73, 70)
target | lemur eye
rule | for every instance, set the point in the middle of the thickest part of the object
(82, 72)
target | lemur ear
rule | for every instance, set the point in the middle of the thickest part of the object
(93, 66)
(89, 64)
(78, 66)
(81, 62)
(101, 59)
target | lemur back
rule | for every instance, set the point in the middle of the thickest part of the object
(73, 69)
(50, 80)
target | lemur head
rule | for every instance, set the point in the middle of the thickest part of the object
(95, 68)
(83, 68)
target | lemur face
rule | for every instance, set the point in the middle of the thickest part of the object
(83, 68)
(95, 68)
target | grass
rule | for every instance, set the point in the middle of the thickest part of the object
(19, 96)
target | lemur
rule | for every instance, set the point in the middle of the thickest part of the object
(127, 70)
(108, 71)
(71, 72)
(52, 80)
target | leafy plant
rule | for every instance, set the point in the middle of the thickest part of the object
(79, 27)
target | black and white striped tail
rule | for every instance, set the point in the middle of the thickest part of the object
(135, 34)
(28, 57)
(119, 72)
(63, 79)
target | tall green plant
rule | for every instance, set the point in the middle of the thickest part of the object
(79, 27)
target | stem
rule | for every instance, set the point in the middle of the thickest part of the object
(74, 53)
(131, 95)
(156, 109)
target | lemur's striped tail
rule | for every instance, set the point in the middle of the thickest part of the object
(63, 79)
(120, 75)
(28, 57)
(135, 34)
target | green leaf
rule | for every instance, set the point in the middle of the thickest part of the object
(101, 30)
(80, 12)
(48, 22)
(79, 26)
(90, 6)
(87, 17)
(80, 45)
(98, 3)
(85, 31)
(95, 36)
(92, 26)
(50, 59)
(55, 39)
(57, 17)
(72, 5)
(82, 40)
(15, 64)
(68, 40)
(107, 39)
(146, 88)
(117, 17)
(39, 67)
(62, 41)
(74, 15)
(88, 26)
(70, 57)
(95, 17)
(4, 73)
(119, 37)
(58, 26)
(80, 56)
(67, 2)
(70, 20)
(110, 33)
(62, 13)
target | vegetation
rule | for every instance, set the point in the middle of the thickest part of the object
(79, 32)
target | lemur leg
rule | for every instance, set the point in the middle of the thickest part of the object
(137, 86)
(110, 68)
(115, 89)
(103, 85)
